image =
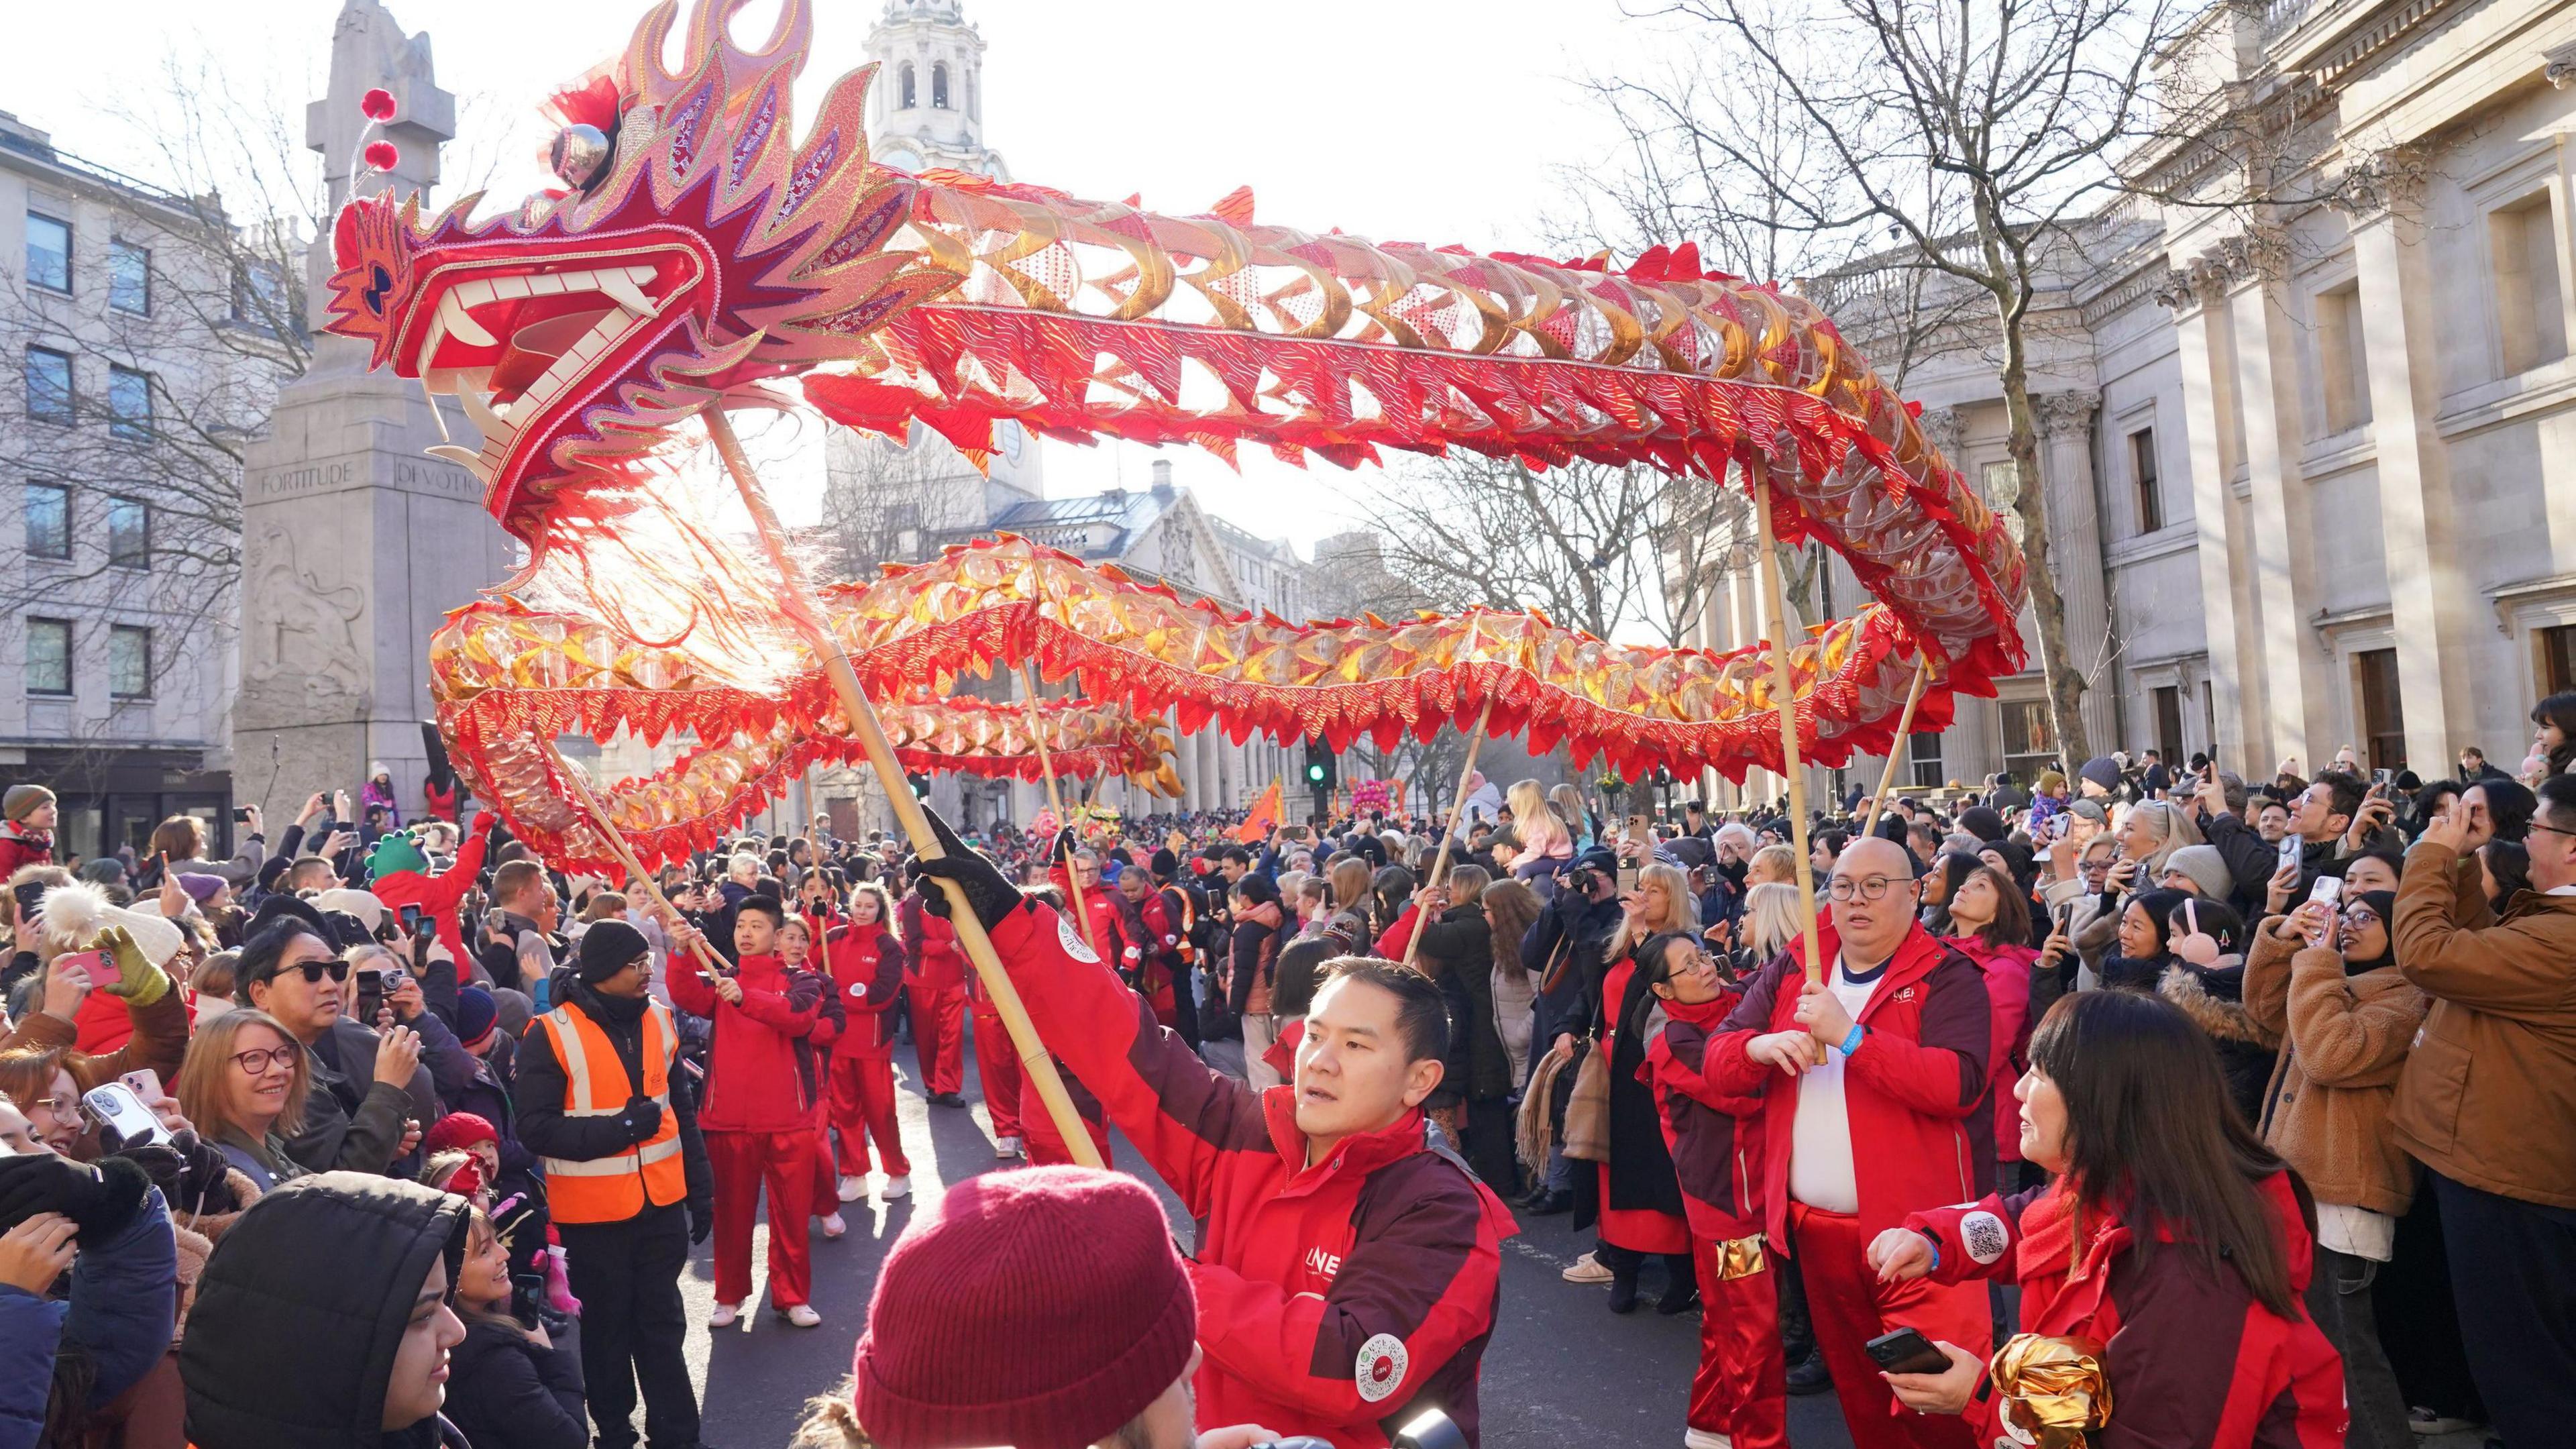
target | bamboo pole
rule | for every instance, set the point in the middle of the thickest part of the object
(1055, 799)
(1449, 837)
(1895, 751)
(1783, 699)
(797, 599)
(626, 856)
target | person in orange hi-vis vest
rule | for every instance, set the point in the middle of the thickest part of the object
(602, 1102)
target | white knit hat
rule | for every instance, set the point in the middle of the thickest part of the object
(73, 915)
(349, 901)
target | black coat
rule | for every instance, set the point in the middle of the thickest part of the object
(1459, 950)
(504, 1392)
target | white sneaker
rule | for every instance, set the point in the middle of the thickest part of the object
(1705, 1439)
(1586, 1269)
(725, 1316)
(834, 1225)
(803, 1316)
(1006, 1147)
(853, 1188)
(896, 1187)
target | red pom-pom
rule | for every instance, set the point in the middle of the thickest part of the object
(378, 104)
(382, 155)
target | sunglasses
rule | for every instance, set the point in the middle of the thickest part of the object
(314, 971)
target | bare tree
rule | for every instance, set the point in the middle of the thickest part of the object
(1968, 142)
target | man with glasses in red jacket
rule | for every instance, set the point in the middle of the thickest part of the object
(1875, 1105)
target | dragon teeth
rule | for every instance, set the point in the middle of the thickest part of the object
(460, 323)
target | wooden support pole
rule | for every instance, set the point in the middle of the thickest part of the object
(1896, 751)
(1783, 699)
(626, 856)
(1055, 799)
(797, 599)
(1449, 837)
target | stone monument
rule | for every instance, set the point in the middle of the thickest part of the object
(354, 544)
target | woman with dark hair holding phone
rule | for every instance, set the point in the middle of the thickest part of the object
(2161, 1268)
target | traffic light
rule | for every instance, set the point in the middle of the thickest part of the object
(1322, 771)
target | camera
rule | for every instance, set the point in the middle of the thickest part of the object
(1581, 879)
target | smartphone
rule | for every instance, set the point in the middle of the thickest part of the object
(146, 1083)
(2291, 856)
(31, 899)
(2327, 889)
(371, 996)
(2383, 778)
(1906, 1351)
(116, 1105)
(416, 922)
(241, 815)
(91, 964)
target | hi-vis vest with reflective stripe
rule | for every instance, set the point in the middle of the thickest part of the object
(613, 1189)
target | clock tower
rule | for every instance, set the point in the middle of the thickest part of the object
(927, 106)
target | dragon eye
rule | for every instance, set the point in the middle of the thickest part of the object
(379, 282)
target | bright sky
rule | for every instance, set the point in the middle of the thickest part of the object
(1424, 120)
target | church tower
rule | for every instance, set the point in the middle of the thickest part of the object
(927, 107)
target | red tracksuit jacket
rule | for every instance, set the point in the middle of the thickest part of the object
(1922, 1128)
(757, 1078)
(2190, 1356)
(1715, 1139)
(867, 971)
(935, 964)
(1337, 1300)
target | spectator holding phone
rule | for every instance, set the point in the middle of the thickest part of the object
(371, 1095)
(2194, 1317)
(71, 1355)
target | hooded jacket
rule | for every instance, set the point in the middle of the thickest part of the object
(1340, 1299)
(2345, 1042)
(1917, 1091)
(321, 1275)
(2190, 1356)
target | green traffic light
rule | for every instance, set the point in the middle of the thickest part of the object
(1315, 773)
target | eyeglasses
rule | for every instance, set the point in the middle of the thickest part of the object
(1844, 888)
(258, 1060)
(2552, 829)
(315, 970)
(65, 1108)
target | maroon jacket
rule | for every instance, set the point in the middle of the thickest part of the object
(1716, 1140)
(1338, 1300)
(2190, 1356)
(1922, 1128)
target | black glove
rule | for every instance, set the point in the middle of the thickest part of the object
(1064, 846)
(99, 1199)
(993, 897)
(702, 1221)
(641, 1119)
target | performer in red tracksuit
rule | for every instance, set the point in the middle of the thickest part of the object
(757, 1111)
(935, 979)
(1876, 1105)
(2201, 1334)
(1347, 1260)
(799, 948)
(867, 965)
(1739, 1397)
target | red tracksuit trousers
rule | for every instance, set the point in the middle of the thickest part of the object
(1850, 1307)
(860, 1104)
(745, 1164)
(997, 1066)
(939, 1035)
(1741, 1389)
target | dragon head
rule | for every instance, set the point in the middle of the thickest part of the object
(704, 252)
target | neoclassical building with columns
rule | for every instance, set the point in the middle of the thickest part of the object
(2311, 467)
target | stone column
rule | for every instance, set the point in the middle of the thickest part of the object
(2198, 296)
(2299, 720)
(2074, 517)
(2430, 597)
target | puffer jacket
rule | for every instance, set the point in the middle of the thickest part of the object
(2345, 1040)
(321, 1273)
(2497, 1054)
(2213, 997)
(504, 1392)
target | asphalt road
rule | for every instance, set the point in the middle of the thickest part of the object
(1561, 1368)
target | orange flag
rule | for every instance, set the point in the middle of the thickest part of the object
(1263, 819)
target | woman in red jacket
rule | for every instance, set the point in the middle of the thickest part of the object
(1990, 925)
(2163, 1264)
(1739, 1396)
(866, 961)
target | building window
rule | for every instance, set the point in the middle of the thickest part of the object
(939, 87)
(2342, 363)
(2142, 472)
(49, 656)
(49, 385)
(49, 252)
(2168, 700)
(2383, 711)
(129, 533)
(911, 97)
(2558, 659)
(129, 277)
(129, 405)
(2522, 239)
(129, 662)
(2030, 746)
(49, 521)
(1923, 759)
